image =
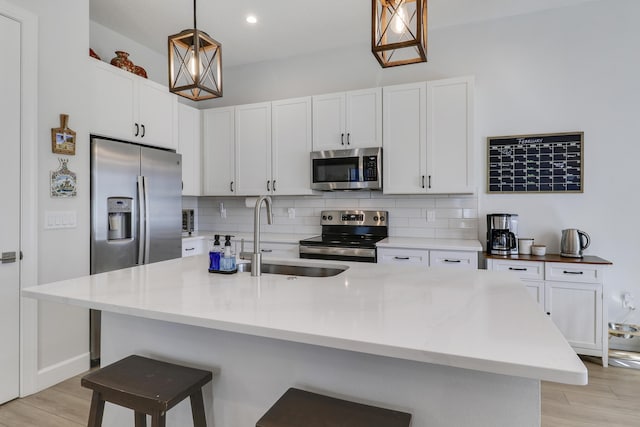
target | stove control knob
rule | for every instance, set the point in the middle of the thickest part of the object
(375, 218)
(324, 217)
(330, 217)
(381, 218)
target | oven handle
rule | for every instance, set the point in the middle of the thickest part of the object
(332, 250)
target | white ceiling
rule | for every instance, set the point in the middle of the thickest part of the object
(285, 27)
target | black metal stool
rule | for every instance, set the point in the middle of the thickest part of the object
(147, 386)
(299, 408)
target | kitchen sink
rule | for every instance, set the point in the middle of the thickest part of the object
(296, 270)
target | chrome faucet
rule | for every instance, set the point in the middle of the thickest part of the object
(256, 257)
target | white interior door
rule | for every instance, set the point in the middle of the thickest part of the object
(9, 208)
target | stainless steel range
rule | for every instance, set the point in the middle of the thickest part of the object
(349, 235)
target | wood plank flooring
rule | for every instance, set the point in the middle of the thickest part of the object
(611, 399)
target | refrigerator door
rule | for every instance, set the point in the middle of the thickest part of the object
(162, 172)
(115, 168)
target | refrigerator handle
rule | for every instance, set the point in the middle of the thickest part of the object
(142, 223)
(147, 234)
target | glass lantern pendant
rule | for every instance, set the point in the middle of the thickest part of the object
(399, 31)
(195, 64)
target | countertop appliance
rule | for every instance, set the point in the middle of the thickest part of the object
(188, 221)
(573, 242)
(136, 202)
(349, 235)
(354, 169)
(502, 234)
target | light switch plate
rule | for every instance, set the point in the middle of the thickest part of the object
(60, 219)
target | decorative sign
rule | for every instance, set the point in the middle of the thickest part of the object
(63, 139)
(63, 181)
(544, 163)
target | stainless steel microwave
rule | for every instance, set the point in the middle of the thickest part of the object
(353, 169)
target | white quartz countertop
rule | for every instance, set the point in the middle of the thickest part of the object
(474, 319)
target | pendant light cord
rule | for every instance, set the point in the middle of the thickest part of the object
(194, 15)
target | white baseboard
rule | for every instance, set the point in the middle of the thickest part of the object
(52, 375)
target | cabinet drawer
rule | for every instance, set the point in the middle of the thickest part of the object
(569, 272)
(270, 249)
(192, 247)
(403, 256)
(523, 269)
(454, 259)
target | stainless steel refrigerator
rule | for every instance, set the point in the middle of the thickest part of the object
(136, 202)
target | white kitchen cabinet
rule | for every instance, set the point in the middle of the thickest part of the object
(132, 108)
(189, 145)
(218, 152)
(347, 120)
(193, 246)
(269, 249)
(290, 147)
(429, 257)
(427, 134)
(253, 148)
(403, 256)
(571, 294)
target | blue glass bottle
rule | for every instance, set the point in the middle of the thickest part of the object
(214, 254)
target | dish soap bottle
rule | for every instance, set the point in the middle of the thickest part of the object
(214, 254)
(227, 260)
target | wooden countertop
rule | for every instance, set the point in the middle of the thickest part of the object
(587, 259)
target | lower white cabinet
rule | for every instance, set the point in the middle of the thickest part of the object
(269, 249)
(427, 257)
(571, 294)
(193, 246)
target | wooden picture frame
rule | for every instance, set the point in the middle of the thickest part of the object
(63, 139)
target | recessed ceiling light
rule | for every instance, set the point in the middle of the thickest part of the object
(251, 19)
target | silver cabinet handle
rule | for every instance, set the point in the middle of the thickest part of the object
(8, 257)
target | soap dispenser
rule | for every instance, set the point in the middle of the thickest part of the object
(228, 260)
(214, 254)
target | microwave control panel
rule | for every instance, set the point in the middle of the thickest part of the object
(370, 168)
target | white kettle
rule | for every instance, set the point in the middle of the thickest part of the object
(572, 243)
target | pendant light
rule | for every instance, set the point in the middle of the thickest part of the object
(195, 64)
(399, 31)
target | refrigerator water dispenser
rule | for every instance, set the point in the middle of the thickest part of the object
(119, 212)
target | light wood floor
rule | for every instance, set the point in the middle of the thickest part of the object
(611, 399)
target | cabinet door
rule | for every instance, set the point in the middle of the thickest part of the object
(576, 309)
(364, 118)
(403, 256)
(449, 136)
(190, 148)
(536, 289)
(454, 259)
(329, 122)
(290, 146)
(404, 136)
(156, 114)
(112, 101)
(253, 148)
(218, 143)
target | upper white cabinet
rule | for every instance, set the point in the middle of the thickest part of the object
(253, 148)
(218, 152)
(290, 147)
(347, 120)
(189, 145)
(427, 133)
(130, 107)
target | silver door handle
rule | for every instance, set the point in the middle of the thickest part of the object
(142, 226)
(8, 257)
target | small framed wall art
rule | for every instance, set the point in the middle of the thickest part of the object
(63, 139)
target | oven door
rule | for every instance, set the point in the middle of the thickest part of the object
(338, 253)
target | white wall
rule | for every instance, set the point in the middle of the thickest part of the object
(567, 69)
(63, 32)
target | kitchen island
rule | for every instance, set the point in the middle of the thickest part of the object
(451, 347)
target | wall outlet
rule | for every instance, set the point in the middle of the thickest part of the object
(291, 212)
(431, 215)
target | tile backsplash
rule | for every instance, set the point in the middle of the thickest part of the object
(441, 216)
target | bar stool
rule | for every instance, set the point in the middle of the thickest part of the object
(149, 387)
(298, 408)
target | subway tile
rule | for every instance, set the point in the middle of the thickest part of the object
(421, 202)
(470, 213)
(448, 213)
(463, 223)
(457, 202)
(411, 232)
(309, 202)
(382, 204)
(340, 204)
(405, 213)
(456, 234)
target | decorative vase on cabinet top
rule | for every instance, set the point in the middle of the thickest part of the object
(122, 61)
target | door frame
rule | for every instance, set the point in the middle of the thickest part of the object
(28, 191)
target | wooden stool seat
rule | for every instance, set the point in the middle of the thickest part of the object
(149, 387)
(299, 408)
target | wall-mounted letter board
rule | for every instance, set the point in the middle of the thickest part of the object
(542, 163)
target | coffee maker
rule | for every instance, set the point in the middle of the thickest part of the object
(502, 234)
